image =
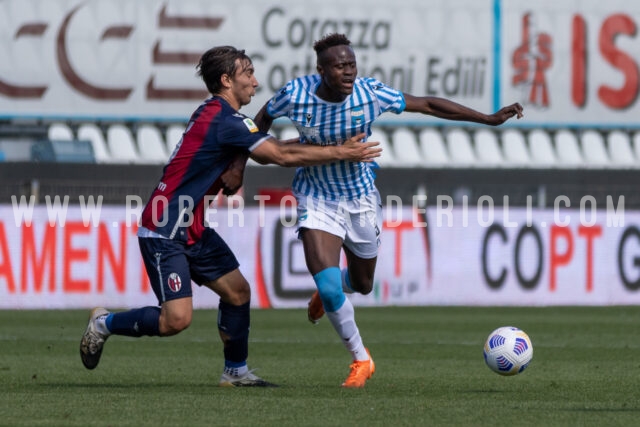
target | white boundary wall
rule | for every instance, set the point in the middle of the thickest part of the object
(569, 256)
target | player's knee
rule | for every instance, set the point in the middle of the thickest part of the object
(239, 295)
(361, 286)
(175, 323)
(332, 297)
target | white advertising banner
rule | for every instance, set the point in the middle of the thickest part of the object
(136, 60)
(569, 62)
(444, 256)
(572, 62)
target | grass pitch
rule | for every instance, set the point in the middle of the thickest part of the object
(430, 371)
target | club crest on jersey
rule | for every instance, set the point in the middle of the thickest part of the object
(250, 125)
(309, 117)
(174, 282)
(357, 116)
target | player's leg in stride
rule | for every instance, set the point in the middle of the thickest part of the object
(93, 338)
(234, 320)
(322, 255)
(315, 309)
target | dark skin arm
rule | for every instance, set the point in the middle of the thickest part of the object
(232, 177)
(449, 110)
(430, 105)
(263, 120)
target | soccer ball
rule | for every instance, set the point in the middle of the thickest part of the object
(508, 350)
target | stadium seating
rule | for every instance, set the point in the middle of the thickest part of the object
(60, 132)
(122, 145)
(387, 157)
(488, 152)
(568, 149)
(594, 149)
(405, 147)
(151, 145)
(62, 150)
(433, 149)
(460, 148)
(173, 137)
(620, 150)
(635, 143)
(514, 147)
(92, 133)
(541, 149)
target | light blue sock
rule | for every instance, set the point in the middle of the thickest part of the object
(329, 283)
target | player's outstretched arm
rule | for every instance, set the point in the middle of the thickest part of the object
(263, 120)
(282, 154)
(449, 110)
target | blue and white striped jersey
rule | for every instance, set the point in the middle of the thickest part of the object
(327, 123)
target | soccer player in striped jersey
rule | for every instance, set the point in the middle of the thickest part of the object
(338, 204)
(177, 245)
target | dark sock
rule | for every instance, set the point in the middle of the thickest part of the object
(136, 322)
(233, 324)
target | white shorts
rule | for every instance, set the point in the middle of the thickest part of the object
(357, 222)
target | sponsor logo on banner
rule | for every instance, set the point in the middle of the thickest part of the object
(531, 60)
(461, 257)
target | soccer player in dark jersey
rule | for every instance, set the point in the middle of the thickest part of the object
(332, 104)
(176, 244)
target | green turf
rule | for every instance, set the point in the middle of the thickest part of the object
(430, 371)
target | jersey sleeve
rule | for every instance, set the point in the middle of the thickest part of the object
(280, 104)
(241, 132)
(390, 99)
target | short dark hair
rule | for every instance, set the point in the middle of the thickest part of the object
(330, 40)
(218, 61)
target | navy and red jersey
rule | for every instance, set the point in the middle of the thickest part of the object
(215, 134)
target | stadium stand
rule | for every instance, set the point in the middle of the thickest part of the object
(122, 145)
(446, 160)
(61, 150)
(151, 145)
(405, 147)
(594, 149)
(635, 142)
(173, 137)
(487, 147)
(541, 149)
(514, 146)
(387, 157)
(620, 150)
(568, 149)
(92, 133)
(433, 149)
(460, 148)
(60, 132)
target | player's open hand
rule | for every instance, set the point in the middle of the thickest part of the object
(357, 151)
(506, 113)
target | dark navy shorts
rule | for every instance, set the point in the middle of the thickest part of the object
(172, 265)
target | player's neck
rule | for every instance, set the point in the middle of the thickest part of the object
(230, 99)
(326, 94)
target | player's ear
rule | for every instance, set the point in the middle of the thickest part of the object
(225, 79)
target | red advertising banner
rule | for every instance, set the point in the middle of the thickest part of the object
(480, 255)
